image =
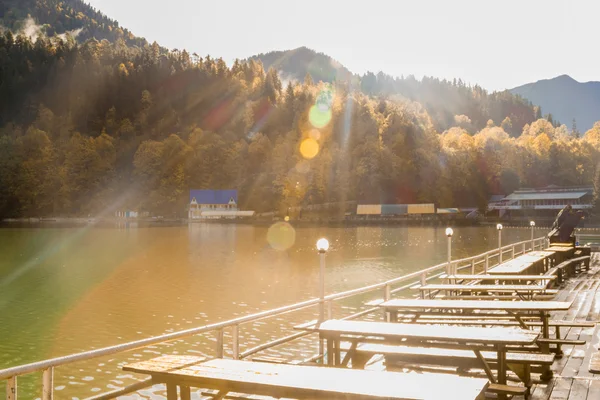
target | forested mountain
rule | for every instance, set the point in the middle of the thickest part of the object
(566, 99)
(295, 64)
(443, 99)
(58, 17)
(86, 128)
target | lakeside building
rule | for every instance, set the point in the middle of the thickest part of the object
(544, 201)
(215, 204)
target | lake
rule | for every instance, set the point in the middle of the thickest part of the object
(66, 290)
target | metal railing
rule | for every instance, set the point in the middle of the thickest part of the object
(482, 261)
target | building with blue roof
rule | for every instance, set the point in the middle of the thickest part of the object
(212, 202)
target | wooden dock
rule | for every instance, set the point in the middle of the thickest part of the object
(572, 379)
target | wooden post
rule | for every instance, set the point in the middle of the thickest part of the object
(11, 388)
(513, 251)
(523, 247)
(220, 343)
(486, 265)
(386, 297)
(473, 266)
(423, 283)
(236, 342)
(330, 309)
(48, 384)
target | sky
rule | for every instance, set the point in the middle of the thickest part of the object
(496, 44)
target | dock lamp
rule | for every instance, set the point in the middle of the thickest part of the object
(532, 225)
(499, 227)
(322, 247)
(449, 233)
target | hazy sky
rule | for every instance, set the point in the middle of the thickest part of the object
(497, 44)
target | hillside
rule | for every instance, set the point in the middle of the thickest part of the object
(91, 126)
(566, 99)
(58, 17)
(295, 64)
(444, 100)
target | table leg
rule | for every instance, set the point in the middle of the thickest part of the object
(329, 352)
(338, 354)
(501, 368)
(184, 392)
(171, 391)
(545, 347)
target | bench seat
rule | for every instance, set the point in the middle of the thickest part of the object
(519, 363)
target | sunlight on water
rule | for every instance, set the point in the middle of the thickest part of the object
(110, 286)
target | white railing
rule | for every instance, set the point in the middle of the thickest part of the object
(484, 261)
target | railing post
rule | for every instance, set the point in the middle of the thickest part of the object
(236, 342)
(513, 251)
(386, 297)
(48, 384)
(473, 266)
(330, 309)
(11, 388)
(220, 343)
(523, 247)
(486, 265)
(423, 283)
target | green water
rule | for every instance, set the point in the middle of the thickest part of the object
(66, 290)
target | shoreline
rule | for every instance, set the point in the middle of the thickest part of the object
(158, 222)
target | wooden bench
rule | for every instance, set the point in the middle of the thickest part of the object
(523, 290)
(568, 268)
(489, 277)
(595, 363)
(558, 341)
(519, 363)
(302, 382)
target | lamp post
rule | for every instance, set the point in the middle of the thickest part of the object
(322, 247)
(532, 225)
(499, 227)
(449, 233)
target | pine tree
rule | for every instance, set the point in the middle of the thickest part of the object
(574, 130)
(308, 80)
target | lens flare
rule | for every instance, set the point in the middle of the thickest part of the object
(309, 148)
(281, 236)
(303, 167)
(318, 118)
(315, 134)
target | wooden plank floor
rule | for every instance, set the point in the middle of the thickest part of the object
(572, 380)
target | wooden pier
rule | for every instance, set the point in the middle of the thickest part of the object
(572, 379)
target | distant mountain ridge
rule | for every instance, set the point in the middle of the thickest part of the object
(566, 99)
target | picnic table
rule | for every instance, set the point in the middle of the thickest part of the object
(522, 290)
(530, 263)
(512, 308)
(563, 253)
(468, 338)
(302, 382)
(498, 278)
(548, 258)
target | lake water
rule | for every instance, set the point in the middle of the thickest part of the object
(66, 290)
